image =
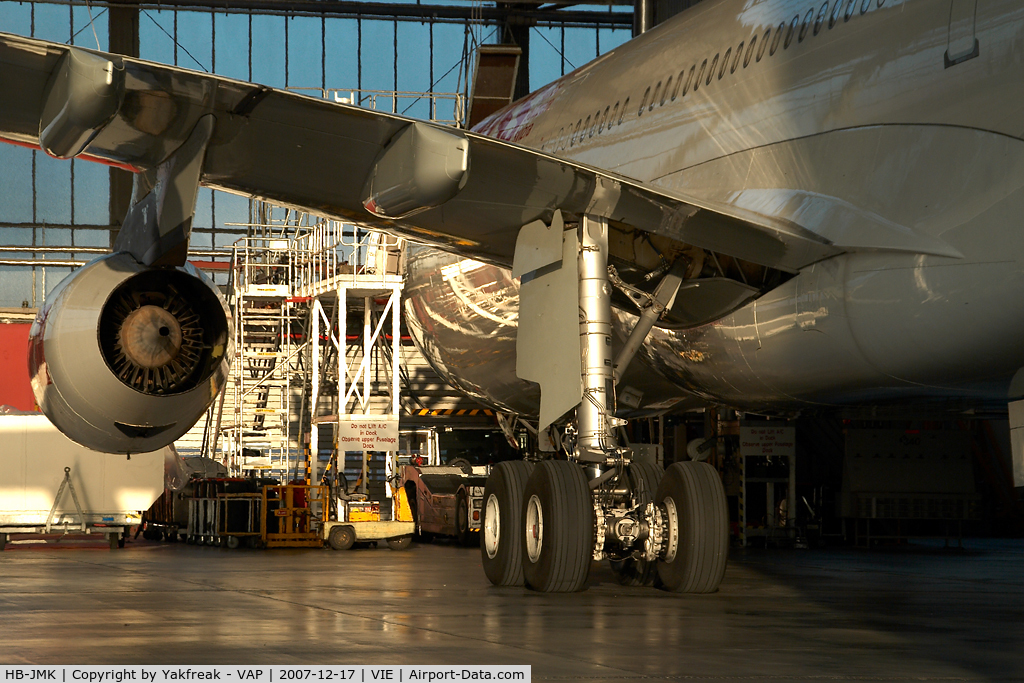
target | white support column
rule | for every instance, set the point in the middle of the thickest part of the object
(367, 349)
(596, 436)
(396, 348)
(342, 350)
(341, 359)
(396, 364)
(314, 388)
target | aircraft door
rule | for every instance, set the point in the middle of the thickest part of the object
(963, 43)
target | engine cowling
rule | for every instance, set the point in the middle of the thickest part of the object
(124, 358)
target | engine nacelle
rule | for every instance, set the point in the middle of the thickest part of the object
(125, 358)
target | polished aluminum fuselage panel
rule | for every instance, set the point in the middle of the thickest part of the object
(859, 132)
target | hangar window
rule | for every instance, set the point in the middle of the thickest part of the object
(806, 24)
(778, 37)
(725, 63)
(664, 95)
(643, 102)
(700, 74)
(822, 13)
(850, 6)
(835, 13)
(750, 51)
(711, 71)
(604, 119)
(736, 62)
(791, 33)
(864, 6)
(622, 114)
(655, 98)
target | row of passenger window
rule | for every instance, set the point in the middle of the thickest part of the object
(745, 52)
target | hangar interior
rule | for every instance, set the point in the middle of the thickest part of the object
(317, 304)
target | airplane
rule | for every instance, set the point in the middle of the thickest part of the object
(776, 204)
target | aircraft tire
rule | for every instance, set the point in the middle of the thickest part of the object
(644, 477)
(462, 520)
(558, 518)
(697, 528)
(463, 464)
(501, 546)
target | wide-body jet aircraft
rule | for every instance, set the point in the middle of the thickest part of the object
(776, 204)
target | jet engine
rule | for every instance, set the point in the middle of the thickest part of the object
(125, 358)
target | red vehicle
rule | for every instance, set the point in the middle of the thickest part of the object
(446, 500)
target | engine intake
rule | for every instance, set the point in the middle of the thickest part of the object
(125, 358)
(159, 331)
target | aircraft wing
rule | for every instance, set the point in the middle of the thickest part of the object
(453, 188)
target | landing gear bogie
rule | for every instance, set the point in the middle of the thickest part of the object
(543, 525)
(671, 526)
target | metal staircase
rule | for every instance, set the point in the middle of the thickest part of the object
(353, 280)
(264, 368)
(317, 314)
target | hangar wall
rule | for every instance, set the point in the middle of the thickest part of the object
(14, 386)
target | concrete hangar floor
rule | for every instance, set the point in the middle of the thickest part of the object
(921, 614)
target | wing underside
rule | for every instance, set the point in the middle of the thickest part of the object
(334, 159)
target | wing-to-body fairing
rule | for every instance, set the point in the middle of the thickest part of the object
(775, 205)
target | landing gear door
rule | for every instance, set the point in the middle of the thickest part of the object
(548, 336)
(963, 44)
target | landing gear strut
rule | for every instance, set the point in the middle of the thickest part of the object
(544, 524)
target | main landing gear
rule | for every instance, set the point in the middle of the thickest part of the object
(544, 523)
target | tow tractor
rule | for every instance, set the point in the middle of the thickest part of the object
(447, 500)
(359, 520)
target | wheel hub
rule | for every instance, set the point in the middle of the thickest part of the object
(671, 524)
(534, 528)
(492, 526)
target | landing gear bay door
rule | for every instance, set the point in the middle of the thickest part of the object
(548, 343)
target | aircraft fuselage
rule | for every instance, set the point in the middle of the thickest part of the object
(879, 129)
